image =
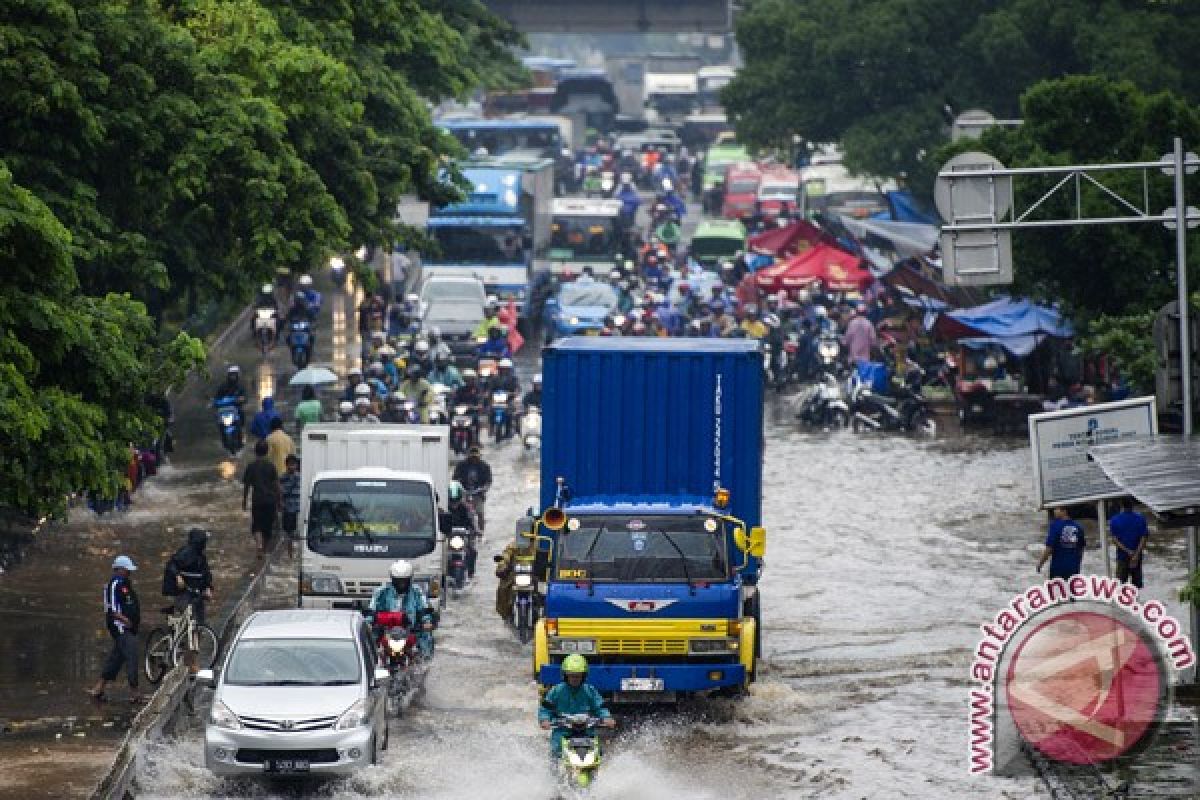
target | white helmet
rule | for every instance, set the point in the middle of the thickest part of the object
(401, 569)
(412, 298)
(267, 288)
(505, 363)
(345, 408)
(421, 346)
(435, 332)
(363, 390)
(667, 185)
(306, 280)
(821, 312)
(362, 402)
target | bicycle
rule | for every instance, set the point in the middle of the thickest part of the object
(167, 644)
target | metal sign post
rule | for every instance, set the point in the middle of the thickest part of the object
(988, 208)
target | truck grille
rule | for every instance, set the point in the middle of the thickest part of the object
(649, 647)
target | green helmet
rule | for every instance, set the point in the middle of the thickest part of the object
(454, 491)
(574, 664)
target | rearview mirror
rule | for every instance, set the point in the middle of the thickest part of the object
(496, 559)
(206, 678)
(739, 539)
(758, 541)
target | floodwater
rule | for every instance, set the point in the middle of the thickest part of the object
(884, 556)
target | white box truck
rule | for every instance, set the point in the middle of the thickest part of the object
(369, 495)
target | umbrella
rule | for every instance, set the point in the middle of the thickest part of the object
(838, 270)
(313, 376)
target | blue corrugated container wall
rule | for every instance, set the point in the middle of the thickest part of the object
(639, 420)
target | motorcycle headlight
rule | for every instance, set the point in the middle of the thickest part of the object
(395, 646)
(457, 542)
(523, 581)
(227, 418)
(354, 717)
(574, 320)
(222, 717)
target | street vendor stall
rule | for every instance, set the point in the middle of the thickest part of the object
(837, 271)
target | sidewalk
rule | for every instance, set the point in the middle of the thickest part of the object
(53, 737)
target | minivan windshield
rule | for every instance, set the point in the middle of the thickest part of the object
(643, 549)
(294, 662)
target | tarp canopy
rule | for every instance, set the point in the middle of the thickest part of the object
(905, 239)
(1161, 471)
(1016, 325)
(836, 269)
(795, 236)
(903, 207)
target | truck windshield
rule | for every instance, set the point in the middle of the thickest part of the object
(478, 245)
(644, 549)
(585, 236)
(372, 517)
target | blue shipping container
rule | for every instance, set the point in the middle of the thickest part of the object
(654, 421)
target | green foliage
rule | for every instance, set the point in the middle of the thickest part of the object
(1190, 593)
(1128, 342)
(163, 154)
(878, 74)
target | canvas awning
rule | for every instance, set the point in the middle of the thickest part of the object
(1162, 472)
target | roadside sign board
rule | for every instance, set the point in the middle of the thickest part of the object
(1062, 473)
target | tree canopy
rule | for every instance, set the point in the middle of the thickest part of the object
(156, 154)
(886, 77)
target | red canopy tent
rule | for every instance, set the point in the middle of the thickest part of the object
(795, 237)
(838, 270)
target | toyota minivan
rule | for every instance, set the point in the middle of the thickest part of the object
(299, 694)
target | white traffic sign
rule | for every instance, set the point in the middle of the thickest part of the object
(1062, 473)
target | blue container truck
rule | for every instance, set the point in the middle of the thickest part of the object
(650, 510)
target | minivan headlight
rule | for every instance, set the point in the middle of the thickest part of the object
(354, 717)
(222, 717)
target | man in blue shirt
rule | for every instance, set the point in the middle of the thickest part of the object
(1064, 546)
(122, 615)
(1129, 533)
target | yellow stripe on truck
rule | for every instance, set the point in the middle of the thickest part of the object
(541, 647)
(746, 647)
(643, 628)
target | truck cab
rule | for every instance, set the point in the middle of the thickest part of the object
(741, 191)
(584, 232)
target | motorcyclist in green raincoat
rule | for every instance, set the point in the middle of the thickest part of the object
(573, 696)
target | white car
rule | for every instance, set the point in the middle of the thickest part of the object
(299, 694)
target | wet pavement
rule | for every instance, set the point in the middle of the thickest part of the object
(885, 554)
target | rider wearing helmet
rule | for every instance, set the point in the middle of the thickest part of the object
(445, 373)
(417, 389)
(496, 345)
(345, 411)
(421, 355)
(437, 346)
(489, 320)
(401, 594)
(573, 696)
(506, 378)
(232, 386)
(459, 515)
(533, 398)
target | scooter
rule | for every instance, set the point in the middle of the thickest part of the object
(337, 271)
(500, 416)
(438, 413)
(823, 406)
(907, 411)
(829, 351)
(531, 428)
(300, 341)
(229, 422)
(264, 328)
(580, 758)
(525, 604)
(459, 545)
(462, 429)
(398, 653)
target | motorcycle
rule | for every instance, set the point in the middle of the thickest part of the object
(399, 654)
(531, 428)
(580, 758)
(438, 412)
(264, 328)
(500, 417)
(337, 271)
(829, 352)
(462, 429)
(229, 422)
(823, 406)
(409, 413)
(525, 605)
(906, 411)
(476, 498)
(300, 340)
(458, 564)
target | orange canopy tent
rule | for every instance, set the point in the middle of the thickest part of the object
(836, 269)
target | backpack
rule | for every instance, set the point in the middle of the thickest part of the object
(170, 585)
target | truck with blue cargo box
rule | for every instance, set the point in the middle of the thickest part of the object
(496, 230)
(650, 513)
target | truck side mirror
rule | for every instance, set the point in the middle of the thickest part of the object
(758, 541)
(739, 539)
(497, 558)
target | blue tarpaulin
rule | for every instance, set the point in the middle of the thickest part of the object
(903, 207)
(1016, 325)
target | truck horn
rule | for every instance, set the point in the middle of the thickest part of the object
(554, 518)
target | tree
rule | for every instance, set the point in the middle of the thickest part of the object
(74, 369)
(885, 77)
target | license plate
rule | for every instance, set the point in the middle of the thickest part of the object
(287, 765)
(641, 684)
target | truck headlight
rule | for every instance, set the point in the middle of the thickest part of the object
(222, 717)
(321, 583)
(523, 580)
(712, 645)
(574, 646)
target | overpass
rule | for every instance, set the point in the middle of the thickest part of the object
(616, 16)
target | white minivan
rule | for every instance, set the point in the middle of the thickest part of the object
(299, 694)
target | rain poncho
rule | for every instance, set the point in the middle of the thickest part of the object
(386, 598)
(563, 699)
(260, 426)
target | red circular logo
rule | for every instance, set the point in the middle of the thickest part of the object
(1085, 687)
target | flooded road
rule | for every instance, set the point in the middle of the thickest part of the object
(885, 555)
